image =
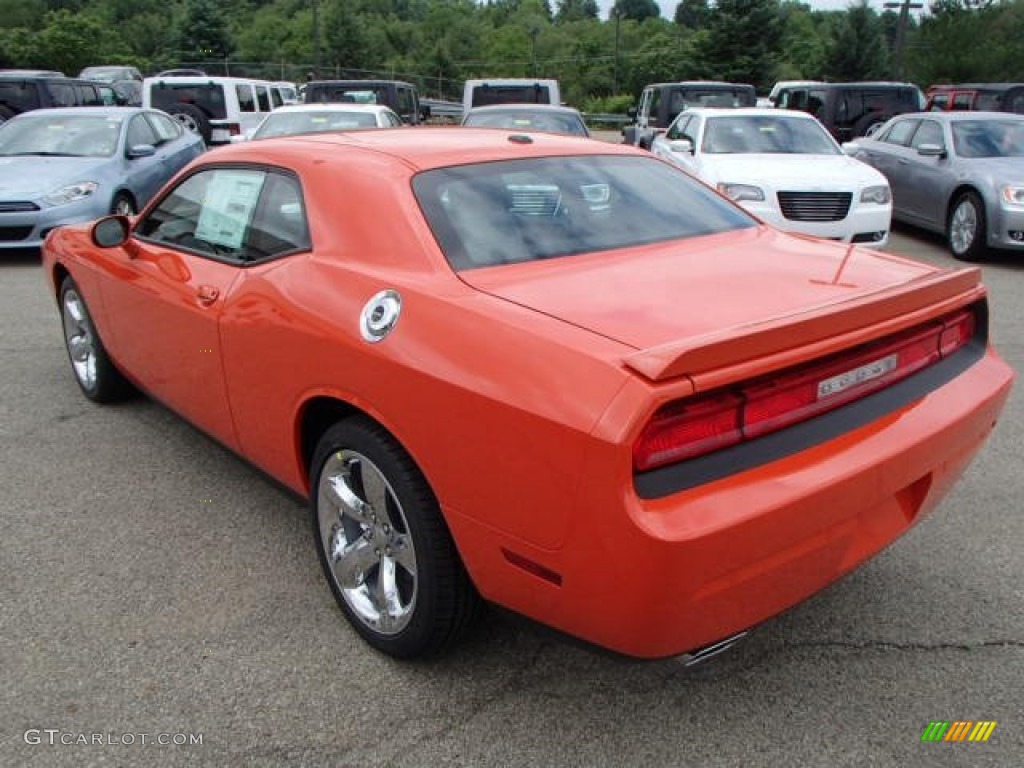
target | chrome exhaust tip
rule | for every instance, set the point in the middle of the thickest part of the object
(701, 655)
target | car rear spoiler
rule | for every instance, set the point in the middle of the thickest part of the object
(814, 332)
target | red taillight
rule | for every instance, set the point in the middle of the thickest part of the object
(234, 129)
(683, 430)
(695, 427)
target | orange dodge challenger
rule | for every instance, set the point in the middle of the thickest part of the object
(553, 374)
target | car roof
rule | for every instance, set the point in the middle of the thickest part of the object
(204, 79)
(794, 114)
(959, 116)
(701, 84)
(517, 107)
(357, 83)
(424, 148)
(973, 87)
(90, 111)
(334, 107)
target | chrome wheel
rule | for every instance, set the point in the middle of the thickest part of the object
(80, 338)
(963, 227)
(366, 541)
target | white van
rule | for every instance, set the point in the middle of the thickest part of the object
(216, 108)
(483, 93)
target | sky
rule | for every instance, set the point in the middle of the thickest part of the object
(668, 7)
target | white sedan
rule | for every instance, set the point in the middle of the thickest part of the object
(315, 118)
(784, 168)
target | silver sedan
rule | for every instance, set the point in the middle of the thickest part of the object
(958, 173)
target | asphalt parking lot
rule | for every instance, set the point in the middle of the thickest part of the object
(158, 589)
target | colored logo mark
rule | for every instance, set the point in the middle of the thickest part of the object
(958, 730)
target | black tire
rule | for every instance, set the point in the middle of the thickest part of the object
(867, 123)
(97, 376)
(6, 113)
(123, 204)
(966, 227)
(193, 118)
(419, 612)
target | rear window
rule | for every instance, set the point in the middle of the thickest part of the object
(522, 210)
(483, 95)
(209, 97)
(19, 95)
(328, 94)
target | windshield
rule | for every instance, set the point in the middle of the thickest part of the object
(290, 123)
(64, 136)
(517, 119)
(523, 210)
(338, 94)
(767, 134)
(989, 138)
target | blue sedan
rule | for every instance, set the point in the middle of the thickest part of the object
(64, 166)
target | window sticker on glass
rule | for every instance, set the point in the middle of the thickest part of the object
(227, 208)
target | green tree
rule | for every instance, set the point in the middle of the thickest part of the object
(859, 50)
(637, 10)
(575, 10)
(203, 31)
(744, 41)
(71, 41)
(692, 13)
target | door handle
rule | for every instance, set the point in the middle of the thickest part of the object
(904, 161)
(207, 294)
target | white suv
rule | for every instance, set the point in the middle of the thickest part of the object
(216, 108)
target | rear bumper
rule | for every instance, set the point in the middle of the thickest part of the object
(659, 577)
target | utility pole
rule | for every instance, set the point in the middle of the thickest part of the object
(905, 7)
(615, 75)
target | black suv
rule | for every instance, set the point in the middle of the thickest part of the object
(21, 93)
(850, 110)
(401, 97)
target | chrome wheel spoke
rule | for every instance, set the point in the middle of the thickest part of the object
(387, 600)
(341, 495)
(376, 490)
(352, 561)
(80, 348)
(403, 553)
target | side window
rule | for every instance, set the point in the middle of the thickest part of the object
(88, 96)
(655, 106)
(279, 226)
(263, 96)
(392, 119)
(405, 107)
(209, 213)
(63, 95)
(678, 129)
(141, 132)
(901, 132)
(166, 128)
(231, 214)
(940, 102)
(246, 101)
(930, 132)
(275, 98)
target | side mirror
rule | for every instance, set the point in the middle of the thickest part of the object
(111, 231)
(931, 150)
(141, 150)
(851, 148)
(424, 112)
(681, 146)
(631, 113)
